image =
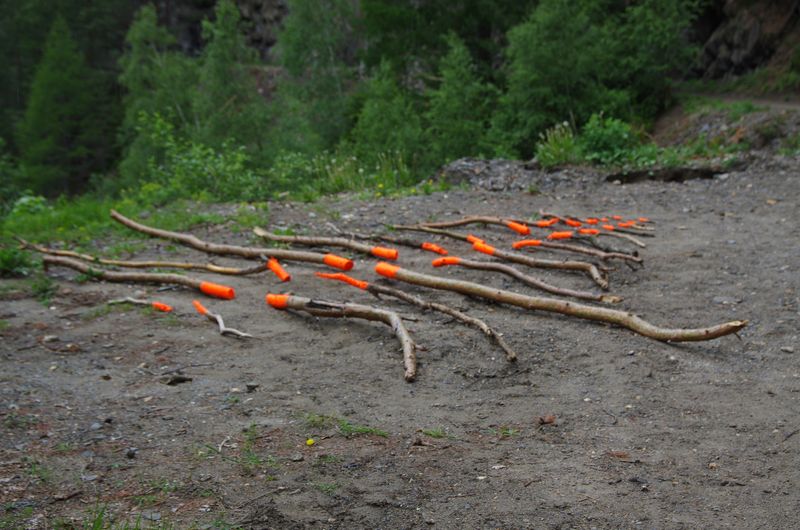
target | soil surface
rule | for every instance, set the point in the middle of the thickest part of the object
(645, 435)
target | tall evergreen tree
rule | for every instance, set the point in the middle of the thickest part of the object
(459, 108)
(57, 134)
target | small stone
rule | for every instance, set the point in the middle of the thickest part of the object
(95, 426)
(251, 387)
(131, 452)
(151, 516)
(297, 457)
(88, 478)
(50, 338)
(88, 454)
(787, 349)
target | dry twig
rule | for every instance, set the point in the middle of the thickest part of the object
(322, 308)
(600, 314)
(314, 241)
(214, 317)
(377, 290)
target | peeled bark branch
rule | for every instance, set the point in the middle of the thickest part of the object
(377, 290)
(600, 314)
(211, 289)
(214, 317)
(314, 241)
(235, 250)
(322, 308)
(210, 267)
(527, 279)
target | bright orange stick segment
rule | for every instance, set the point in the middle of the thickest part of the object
(278, 301)
(480, 246)
(431, 247)
(616, 217)
(279, 271)
(626, 224)
(604, 219)
(545, 223)
(560, 235)
(608, 227)
(473, 239)
(443, 262)
(385, 253)
(592, 220)
(200, 308)
(526, 243)
(218, 291)
(573, 223)
(343, 278)
(588, 231)
(386, 269)
(160, 306)
(644, 220)
(337, 262)
(519, 228)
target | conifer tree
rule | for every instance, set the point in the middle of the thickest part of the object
(56, 134)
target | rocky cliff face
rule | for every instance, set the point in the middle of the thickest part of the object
(741, 35)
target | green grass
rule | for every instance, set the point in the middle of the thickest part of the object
(435, 433)
(43, 288)
(328, 488)
(15, 262)
(348, 429)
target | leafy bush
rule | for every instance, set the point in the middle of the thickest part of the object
(607, 140)
(557, 146)
(14, 262)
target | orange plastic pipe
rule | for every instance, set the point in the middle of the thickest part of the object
(338, 262)
(431, 247)
(159, 306)
(218, 291)
(278, 301)
(279, 271)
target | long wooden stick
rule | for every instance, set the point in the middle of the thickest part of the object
(121, 277)
(531, 281)
(597, 253)
(318, 241)
(210, 267)
(323, 308)
(377, 290)
(235, 250)
(600, 314)
(589, 268)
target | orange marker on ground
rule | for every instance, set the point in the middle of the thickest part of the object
(431, 247)
(573, 223)
(626, 224)
(588, 231)
(519, 228)
(560, 235)
(338, 262)
(526, 243)
(443, 262)
(343, 278)
(473, 239)
(159, 306)
(616, 217)
(385, 253)
(546, 223)
(592, 220)
(480, 246)
(278, 301)
(200, 308)
(280, 272)
(644, 220)
(218, 291)
(608, 227)
(386, 269)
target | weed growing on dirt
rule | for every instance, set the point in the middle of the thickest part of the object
(503, 432)
(14, 518)
(64, 447)
(18, 421)
(328, 488)
(36, 470)
(100, 519)
(434, 433)
(348, 429)
(4, 324)
(248, 216)
(43, 288)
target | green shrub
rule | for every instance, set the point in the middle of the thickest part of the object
(14, 262)
(557, 146)
(607, 140)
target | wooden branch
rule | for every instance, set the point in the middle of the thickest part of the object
(322, 308)
(220, 291)
(531, 281)
(402, 241)
(642, 230)
(600, 314)
(514, 224)
(377, 290)
(314, 241)
(214, 317)
(210, 267)
(601, 254)
(246, 252)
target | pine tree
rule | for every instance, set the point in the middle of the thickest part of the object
(56, 133)
(459, 108)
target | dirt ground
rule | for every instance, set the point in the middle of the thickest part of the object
(647, 434)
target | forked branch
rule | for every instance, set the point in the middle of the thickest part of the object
(323, 308)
